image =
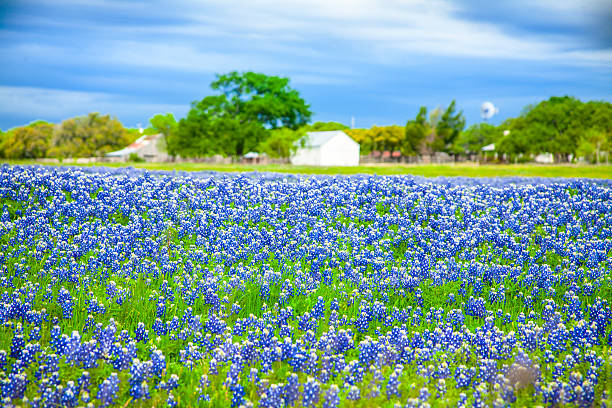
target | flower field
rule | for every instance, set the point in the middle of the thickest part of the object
(124, 287)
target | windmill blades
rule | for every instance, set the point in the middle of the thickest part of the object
(487, 110)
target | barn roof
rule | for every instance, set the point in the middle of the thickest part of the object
(138, 144)
(316, 139)
(123, 152)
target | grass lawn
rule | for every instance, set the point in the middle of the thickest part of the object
(428, 170)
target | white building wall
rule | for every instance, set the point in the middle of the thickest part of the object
(307, 156)
(340, 151)
(151, 151)
(544, 158)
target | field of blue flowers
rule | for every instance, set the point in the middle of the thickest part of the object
(124, 287)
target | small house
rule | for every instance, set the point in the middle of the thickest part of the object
(329, 148)
(147, 147)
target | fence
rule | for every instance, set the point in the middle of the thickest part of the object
(436, 158)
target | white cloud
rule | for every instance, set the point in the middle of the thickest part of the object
(260, 33)
(170, 48)
(571, 11)
(390, 30)
(312, 41)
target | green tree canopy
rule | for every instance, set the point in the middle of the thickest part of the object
(256, 97)
(448, 128)
(378, 138)
(27, 142)
(164, 124)
(321, 127)
(240, 118)
(208, 131)
(592, 144)
(415, 133)
(437, 133)
(90, 135)
(280, 143)
(556, 126)
(475, 137)
(135, 133)
(167, 126)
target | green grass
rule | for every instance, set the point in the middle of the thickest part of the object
(427, 170)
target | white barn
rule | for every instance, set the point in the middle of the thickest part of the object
(146, 147)
(330, 148)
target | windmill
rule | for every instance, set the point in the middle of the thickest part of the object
(487, 110)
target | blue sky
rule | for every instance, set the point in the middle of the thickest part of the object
(377, 61)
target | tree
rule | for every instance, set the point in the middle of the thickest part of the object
(386, 137)
(592, 144)
(599, 114)
(135, 133)
(27, 142)
(516, 142)
(321, 127)
(3, 137)
(448, 128)
(363, 137)
(207, 131)
(266, 99)
(475, 137)
(415, 133)
(164, 124)
(431, 143)
(378, 138)
(280, 143)
(87, 136)
(167, 126)
(554, 126)
(239, 119)
(437, 133)
(560, 121)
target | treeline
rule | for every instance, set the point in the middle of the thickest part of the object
(563, 126)
(255, 112)
(82, 136)
(426, 134)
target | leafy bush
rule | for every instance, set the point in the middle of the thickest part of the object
(135, 158)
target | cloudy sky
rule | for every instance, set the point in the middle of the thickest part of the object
(377, 61)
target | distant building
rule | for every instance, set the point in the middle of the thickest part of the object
(251, 157)
(146, 147)
(330, 148)
(488, 148)
(545, 158)
(255, 158)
